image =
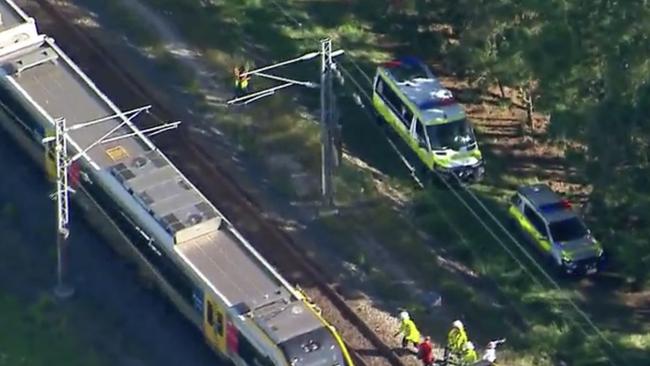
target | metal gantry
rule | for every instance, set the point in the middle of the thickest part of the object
(329, 155)
(326, 122)
(62, 195)
(61, 289)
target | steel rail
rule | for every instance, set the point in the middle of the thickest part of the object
(204, 173)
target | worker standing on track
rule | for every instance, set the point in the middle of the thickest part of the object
(425, 352)
(410, 332)
(456, 340)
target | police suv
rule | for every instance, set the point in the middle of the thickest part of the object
(551, 225)
(408, 97)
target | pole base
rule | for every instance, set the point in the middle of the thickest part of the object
(63, 291)
(327, 210)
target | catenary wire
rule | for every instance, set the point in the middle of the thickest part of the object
(363, 73)
(456, 193)
(286, 13)
(547, 276)
(576, 308)
(391, 143)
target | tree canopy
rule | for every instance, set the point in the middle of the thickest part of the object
(586, 63)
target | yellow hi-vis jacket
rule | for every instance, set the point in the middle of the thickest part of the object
(469, 357)
(456, 340)
(410, 331)
(241, 82)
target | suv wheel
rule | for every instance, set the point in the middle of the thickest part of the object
(477, 176)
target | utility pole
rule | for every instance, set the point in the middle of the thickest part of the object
(326, 114)
(329, 158)
(62, 289)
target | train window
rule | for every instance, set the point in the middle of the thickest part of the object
(250, 354)
(210, 314)
(218, 326)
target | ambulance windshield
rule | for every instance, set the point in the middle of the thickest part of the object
(455, 135)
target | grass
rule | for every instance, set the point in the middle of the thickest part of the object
(251, 30)
(35, 329)
(37, 334)
(138, 32)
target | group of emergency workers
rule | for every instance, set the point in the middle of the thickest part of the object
(458, 351)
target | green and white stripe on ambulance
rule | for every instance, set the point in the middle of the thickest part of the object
(384, 111)
(540, 240)
(450, 159)
(409, 99)
(454, 159)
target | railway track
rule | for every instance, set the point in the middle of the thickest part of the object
(530, 263)
(127, 90)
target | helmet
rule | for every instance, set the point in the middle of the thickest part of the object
(404, 315)
(469, 346)
(457, 324)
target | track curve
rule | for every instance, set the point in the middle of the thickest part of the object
(276, 246)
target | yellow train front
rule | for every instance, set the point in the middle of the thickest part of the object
(246, 310)
(282, 329)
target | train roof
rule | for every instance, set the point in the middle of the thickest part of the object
(42, 74)
(11, 15)
(415, 80)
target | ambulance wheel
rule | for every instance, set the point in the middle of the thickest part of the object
(512, 223)
(425, 176)
(379, 120)
(435, 180)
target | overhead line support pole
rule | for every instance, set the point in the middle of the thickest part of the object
(329, 157)
(62, 289)
(326, 98)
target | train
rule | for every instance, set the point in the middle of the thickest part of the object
(248, 313)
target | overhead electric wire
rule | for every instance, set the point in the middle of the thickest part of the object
(548, 277)
(284, 12)
(391, 143)
(599, 333)
(356, 65)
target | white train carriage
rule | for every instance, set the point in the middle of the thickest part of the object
(247, 312)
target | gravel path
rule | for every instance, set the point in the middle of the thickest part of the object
(250, 228)
(250, 174)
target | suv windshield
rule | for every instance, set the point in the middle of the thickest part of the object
(453, 135)
(567, 230)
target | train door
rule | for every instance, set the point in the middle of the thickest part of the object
(214, 324)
